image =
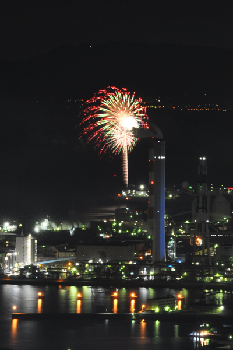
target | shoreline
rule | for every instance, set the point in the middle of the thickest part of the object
(120, 283)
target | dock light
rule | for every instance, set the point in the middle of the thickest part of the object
(40, 295)
(133, 295)
(79, 295)
(143, 307)
(14, 307)
(115, 294)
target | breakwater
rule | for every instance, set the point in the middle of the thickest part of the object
(174, 317)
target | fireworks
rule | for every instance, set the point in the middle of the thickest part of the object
(109, 118)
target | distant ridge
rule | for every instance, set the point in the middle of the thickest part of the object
(169, 70)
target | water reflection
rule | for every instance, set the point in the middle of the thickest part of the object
(115, 306)
(98, 299)
(132, 305)
(142, 329)
(200, 341)
(39, 305)
(78, 306)
(157, 329)
(14, 325)
(176, 330)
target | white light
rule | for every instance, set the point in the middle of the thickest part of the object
(127, 122)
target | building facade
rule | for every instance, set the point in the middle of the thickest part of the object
(26, 250)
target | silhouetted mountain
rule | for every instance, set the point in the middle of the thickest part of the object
(171, 70)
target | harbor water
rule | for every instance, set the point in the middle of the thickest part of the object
(90, 333)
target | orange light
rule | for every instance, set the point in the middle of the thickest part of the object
(141, 257)
(14, 327)
(40, 295)
(39, 305)
(114, 294)
(133, 295)
(115, 306)
(79, 295)
(132, 305)
(78, 306)
(14, 307)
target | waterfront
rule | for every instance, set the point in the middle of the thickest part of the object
(88, 333)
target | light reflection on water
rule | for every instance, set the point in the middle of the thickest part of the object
(27, 335)
(20, 335)
(79, 306)
(39, 305)
(115, 306)
(132, 305)
(142, 329)
(94, 299)
(14, 328)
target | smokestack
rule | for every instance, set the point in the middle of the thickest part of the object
(156, 206)
(157, 197)
(202, 212)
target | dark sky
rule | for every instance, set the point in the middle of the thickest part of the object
(38, 172)
(29, 27)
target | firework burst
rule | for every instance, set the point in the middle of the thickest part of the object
(110, 118)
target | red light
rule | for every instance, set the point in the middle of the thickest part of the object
(115, 175)
(152, 182)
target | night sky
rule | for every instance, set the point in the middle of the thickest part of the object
(48, 171)
(29, 28)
